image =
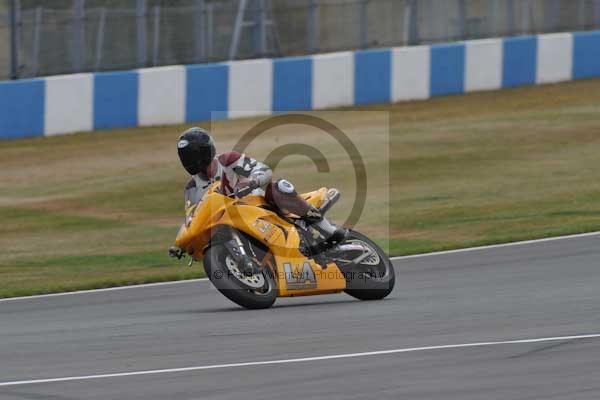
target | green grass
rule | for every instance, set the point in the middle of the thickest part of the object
(100, 209)
(68, 273)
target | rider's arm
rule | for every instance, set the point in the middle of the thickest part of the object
(190, 195)
(255, 171)
(256, 174)
(262, 174)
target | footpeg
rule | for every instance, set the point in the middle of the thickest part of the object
(339, 236)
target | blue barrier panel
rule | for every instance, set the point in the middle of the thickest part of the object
(115, 100)
(372, 76)
(292, 84)
(586, 55)
(447, 72)
(207, 92)
(519, 63)
(22, 108)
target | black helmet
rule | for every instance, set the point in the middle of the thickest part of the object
(196, 149)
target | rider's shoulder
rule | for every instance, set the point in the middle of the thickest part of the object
(229, 158)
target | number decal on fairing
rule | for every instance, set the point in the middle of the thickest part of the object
(299, 277)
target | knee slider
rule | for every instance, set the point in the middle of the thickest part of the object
(285, 187)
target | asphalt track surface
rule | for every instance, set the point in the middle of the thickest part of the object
(431, 337)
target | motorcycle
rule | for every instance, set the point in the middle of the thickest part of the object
(253, 255)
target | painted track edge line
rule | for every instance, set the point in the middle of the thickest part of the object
(298, 360)
(109, 289)
(499, 245)
(432, 254)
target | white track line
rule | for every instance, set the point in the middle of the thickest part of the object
(296, 360)
(437, 253)
(496, 246)
(110, 289)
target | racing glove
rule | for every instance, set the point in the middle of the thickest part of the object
(243, 189)
(175, 252)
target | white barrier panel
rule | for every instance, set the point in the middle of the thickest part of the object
(333, 80)
(410, 73)
(554, 58)
(161, 95)
(250, 88)
(68, 104)
(483, 67)
(156, 96)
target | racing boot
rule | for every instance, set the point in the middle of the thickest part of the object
(333, 235)
(283, 196)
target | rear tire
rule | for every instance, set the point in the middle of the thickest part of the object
(369, 282)
(231, 287)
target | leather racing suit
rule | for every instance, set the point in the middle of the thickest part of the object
(241, 175)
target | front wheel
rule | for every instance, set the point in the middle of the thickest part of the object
(254, 292)
(368, 270)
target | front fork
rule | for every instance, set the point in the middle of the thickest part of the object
(236, 248)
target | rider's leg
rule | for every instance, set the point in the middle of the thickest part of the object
(282, 195)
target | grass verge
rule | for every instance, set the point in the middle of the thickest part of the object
(96, 210)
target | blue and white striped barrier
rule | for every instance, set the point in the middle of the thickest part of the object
(178, 94)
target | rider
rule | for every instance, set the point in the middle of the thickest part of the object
(241, 175)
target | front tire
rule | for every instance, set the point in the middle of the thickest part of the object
(220, 274)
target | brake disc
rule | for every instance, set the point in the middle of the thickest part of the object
(256, 281)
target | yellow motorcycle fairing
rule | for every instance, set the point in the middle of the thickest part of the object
(296, 275)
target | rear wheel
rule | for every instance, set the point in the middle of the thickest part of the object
(250, 291)
(368, 270)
